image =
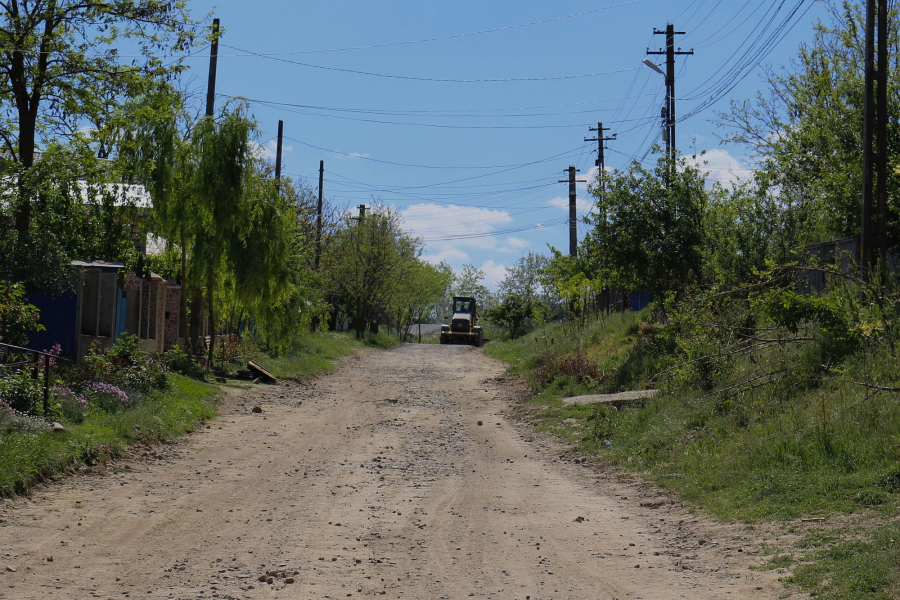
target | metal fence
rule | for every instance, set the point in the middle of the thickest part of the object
(21, 359)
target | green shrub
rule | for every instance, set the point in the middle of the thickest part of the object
(125, 365)
(19, 391)
(178, 361)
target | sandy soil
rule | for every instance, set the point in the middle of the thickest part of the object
(398, 476)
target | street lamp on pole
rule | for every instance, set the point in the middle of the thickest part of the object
(667, 125)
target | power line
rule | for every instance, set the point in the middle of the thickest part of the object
(430, 79)
(456, 35)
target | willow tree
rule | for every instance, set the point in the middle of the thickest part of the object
(60, 57)
(222, 152)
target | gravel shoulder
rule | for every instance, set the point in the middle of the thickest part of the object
(398, 476)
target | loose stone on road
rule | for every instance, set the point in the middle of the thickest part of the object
(397, 476)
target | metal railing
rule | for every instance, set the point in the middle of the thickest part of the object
(16, 356)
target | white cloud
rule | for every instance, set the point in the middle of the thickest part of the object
(436, 221)
(493, 273)
(430, 221)
(350, 156)
(448, 254)
(269, 151)
(719, 165)
(517, 243)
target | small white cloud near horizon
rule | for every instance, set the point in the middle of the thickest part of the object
(269, 151)
(350, 156)
(720, 166)
(494, 273)
(435, 221)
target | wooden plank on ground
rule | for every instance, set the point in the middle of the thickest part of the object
(261, 372)
(620, 398)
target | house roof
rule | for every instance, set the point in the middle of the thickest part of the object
(101, 264)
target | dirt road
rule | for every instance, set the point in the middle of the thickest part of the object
(398, 476)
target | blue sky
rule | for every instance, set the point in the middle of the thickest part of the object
(385, 94)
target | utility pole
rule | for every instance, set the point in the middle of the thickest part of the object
(865, 228)
(881, 120)
(197, 299)
(601, 165)
(670, 54)
(278, 152)
(362, 212)
(875, 120)
(319, 215)
(213, 59)
(573, 215)
(601, 158)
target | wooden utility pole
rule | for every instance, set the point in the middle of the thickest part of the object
(601, 158)
(319, 215)
(210, 111)
(191, 331)
(278, 152)
(213, 60)
(670, 54)
(881, 120)
(865, 227)
(600, 163)
(573, 213)
(872, 237)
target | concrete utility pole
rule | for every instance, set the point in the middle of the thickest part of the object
(573, 214)
(874, 130)
(278, 152)
(670, 54)
(319, 215)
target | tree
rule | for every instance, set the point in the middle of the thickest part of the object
(422, 287)
(513, 313)
(364, 265)
(524, 278)
(60, 60)
(649, 227)
(806, 132)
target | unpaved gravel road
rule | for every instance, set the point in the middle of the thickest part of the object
(376, 481)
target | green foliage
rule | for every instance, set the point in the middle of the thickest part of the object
(17, 316)
(368, 266)
(19, 391)
(27, 458)
(648, 228)
(807, 131)
(124, 364)
(311, 354)
(178, 361)
(515, 313)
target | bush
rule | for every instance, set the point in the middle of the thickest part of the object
(17, 316)
(125, 364)
(70, 404)
(19, 391)
(106, 396)
(177, 360)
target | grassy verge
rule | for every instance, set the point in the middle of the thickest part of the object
(829, 451)
(26, 458)
(314, 353)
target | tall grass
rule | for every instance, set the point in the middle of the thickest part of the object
(612, 353)
(26, 458)
(812, 442)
